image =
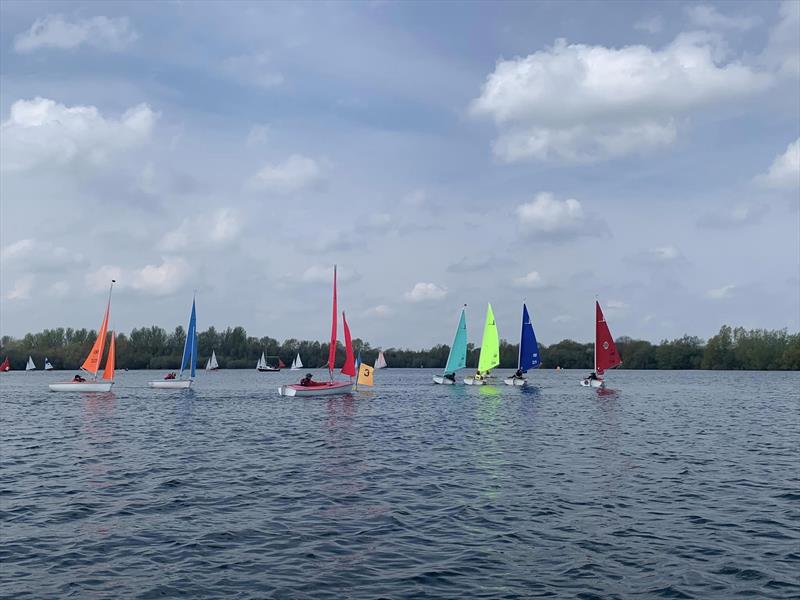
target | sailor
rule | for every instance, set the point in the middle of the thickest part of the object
(592, 376)
(450, 377)
(478, 376)
(306, 381)
(518, 374)
(78, 379)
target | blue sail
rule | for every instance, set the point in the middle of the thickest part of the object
(457, 359)
(189, 359)
(528, 348)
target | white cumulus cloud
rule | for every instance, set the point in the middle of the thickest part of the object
(547, 216)
(54, 31)
(580, 103)
(44, 132)
(157, 280)
(253, 69)
(380, 311)
(531, 281)
(708, 17)
(423, 292)
(22, 288)
(784, 173)
(294, 174)
(220, 227)
(721, 292)
(736, 216)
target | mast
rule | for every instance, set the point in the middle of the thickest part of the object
(596, 303)
(521, 333)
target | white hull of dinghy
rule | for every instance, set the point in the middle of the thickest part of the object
(443, 380)
(329, 389)
(81, 386)
(473, 381)
(595, 383)
(170, 384)
(516, 381)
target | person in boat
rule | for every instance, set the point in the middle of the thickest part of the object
(592, 376)
(306, 381)
(170, 376)
(78, 379)
(450, 377)
(478, 375)
(518, 374)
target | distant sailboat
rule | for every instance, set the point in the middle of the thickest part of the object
(489, 357)
(528, 351)
(47, 365)
(30, 366)
(188, 360)
(265, 367)
(92, 363)
(605, 351)
(297, 364)
(380, 362)
(457, 359)
(212, 364)
(313, 388)
(5, 365)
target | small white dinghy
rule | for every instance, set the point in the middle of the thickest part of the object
(30, 366)
(380, 362)
(457, 358)
(528, 352)
(92, 363)
(605, 351)
(489, 357)
(47, 365)
(188, 360)
(212, 364)
(328, 388)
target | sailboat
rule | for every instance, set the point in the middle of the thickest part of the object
(47, 365)
(188, 360)
(528, 351)
(313, 388)
(457, 359)
(605, 351)
(5, 365)
(380, 362)
(212, 364)
(263, 366)
(30, 366)
(92, 363)
(297, 364)
(490, 350)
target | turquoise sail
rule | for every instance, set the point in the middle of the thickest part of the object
(189, 359)
(457, 359)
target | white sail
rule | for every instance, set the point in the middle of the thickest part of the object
(212, 362)
(262, 362)
(47, 365)
(30, 366)
(380, 362)
(297, 363)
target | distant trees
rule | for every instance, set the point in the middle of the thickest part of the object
(154, 348)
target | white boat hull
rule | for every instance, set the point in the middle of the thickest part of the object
(329, 389)
(595, 383)
(473, 381)
(81, 386)
(266, 370)
(443, 380)
(170, 384)
(516, 381)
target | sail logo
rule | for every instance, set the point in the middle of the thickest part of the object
(605, 345)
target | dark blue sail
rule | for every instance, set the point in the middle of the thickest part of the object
(528, 348)
(189, 359)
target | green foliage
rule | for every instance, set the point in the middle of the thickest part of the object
(154, 348)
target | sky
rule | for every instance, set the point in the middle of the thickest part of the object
(647, 154)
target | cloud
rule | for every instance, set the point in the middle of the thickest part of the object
(22, 288)
(40, 256)
(59, 289)
(43, 132)
(466, 265)
(380, 311)
(784, 173)
(781, 52)
(661, 255)
(652, 24)
(253, 69)
(156, 280)
(615, 307)
(220, 227)
(53, 31)
(548, 217)
(707, 17)
(531, 281)
(722, 292)
(323, 274)
(425, 292)
(730, 218)
(257, 135)
(579, 103)
(294, 174)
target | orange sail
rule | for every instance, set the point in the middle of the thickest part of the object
(349, 367)
(92, 362)
(111, 360)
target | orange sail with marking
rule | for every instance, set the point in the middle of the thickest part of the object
(111, 360)
(92, 362)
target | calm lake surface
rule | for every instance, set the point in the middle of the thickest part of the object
(673, 485)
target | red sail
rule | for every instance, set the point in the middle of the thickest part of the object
(349, 367)
(281, 364)
(6, 366)
(332, 349)
(605, 350)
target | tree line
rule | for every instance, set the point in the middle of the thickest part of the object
(155, 348)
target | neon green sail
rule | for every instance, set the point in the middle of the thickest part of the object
(490, 345)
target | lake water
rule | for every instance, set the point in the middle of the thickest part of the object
(672, 485)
